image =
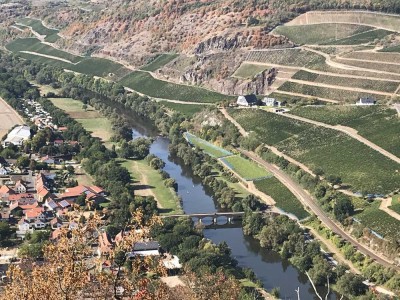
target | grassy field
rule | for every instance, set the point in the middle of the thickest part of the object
(379, 124)
(37, 25)
(151, 180)
(288, 57)
(91, 120)
(159, 61)
(321, 33)
(335, 152)
(248, 70)
(186, 109)
(324, 92)
(362, 38)
(395, 204)
(143, 82)
(246, 169)
(283, 197)
(379, 221)
(368, 84)
(207, 147)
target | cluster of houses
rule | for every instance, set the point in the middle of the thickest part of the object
(7, 168)
(33, 206)
(38, 115)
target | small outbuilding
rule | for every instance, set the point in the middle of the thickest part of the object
(366, 101)
(272, 102)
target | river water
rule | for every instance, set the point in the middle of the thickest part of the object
(269, 267)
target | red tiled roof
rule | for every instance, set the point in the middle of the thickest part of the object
(34, 212)
(18, 197)
(6, 190)
(78, 190)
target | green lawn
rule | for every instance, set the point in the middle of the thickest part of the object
(207, 147)
(37, 25)
(91, 120)
(319, 33)
(245, 168)
(248, 70)
(336, 153)
(146, 175)
(379, 221)
(379, 124)
(395, 204)
(283, 197)
(159, 61)
(186, 109)
(143, 82)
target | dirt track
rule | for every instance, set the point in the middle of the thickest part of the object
(8, 118)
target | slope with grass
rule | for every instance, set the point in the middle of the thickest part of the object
(336, 153)
(248, 70)
(207, 147)
(362, 38)
(144, 83)
(283, 197)
(159, 61)
(320, 34)
(379, 124)
(187, 110)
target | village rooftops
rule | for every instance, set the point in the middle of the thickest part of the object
(75, 192)
(18, 135)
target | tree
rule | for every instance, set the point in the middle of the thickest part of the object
(5, 233)
(84, 107)
(32, 165)
(343, 208)
(350, 284)
(81, 200)
(23, 162)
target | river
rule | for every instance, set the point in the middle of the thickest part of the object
(269, 267)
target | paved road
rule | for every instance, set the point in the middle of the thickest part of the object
(309, 202)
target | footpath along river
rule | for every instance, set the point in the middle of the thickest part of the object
(269, 267)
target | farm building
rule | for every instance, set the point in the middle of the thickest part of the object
(271, 102)
(366, 101)
(18, 135)
(248, 100)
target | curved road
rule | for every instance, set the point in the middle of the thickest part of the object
(308, 201)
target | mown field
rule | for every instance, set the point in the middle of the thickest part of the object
(207, 147)
(321, 33)
(395, 204)
(362, 38)
(288, 57)
(159, 61)
(246, 169)
(93, 66)
(248, 70)
(34, 45)
(283, 197)
(186, 109)
(37, 25)
(379, 124)
(324, 92)
(91, 120)
(143, 82)
(368, 84)
(379, 221)
(336, 153)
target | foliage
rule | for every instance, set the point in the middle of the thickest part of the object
(5, 233)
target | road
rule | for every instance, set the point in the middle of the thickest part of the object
(309, 202)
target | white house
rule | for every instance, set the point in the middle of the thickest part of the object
(271, 102)
(39, 224)
(18, 135)
(248, 100)
(23, 225)
(20, 187)
(366, 101)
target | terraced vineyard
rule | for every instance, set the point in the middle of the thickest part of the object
(362, 38)
(374, 56)
(395, 49)
(249, 70)
(283, 197)
(159, 61)
(368, 84)
(379, 221)
(324, 92)
(379, 124)
(395, 204)
(378, 66)
(143, 82)
(335, 152)
(320, 34)
(288, 57)
(37, 26)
